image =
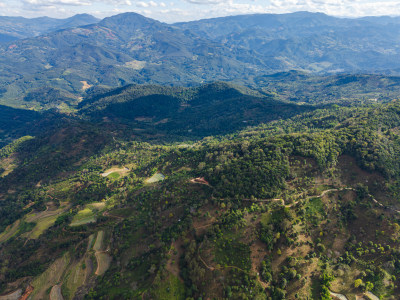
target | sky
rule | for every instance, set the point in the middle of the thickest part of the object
(185, 10)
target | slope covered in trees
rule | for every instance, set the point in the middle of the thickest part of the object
(292, 208)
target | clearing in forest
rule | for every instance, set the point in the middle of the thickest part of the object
(115, 172)
(85, 85)
(102, 257)
(155, 178)
(88, 214)
(44, 219)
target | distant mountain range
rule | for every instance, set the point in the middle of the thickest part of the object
(14, 28)
(129, 48)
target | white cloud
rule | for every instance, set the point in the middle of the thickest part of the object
(146, 4)
(206, 1)
(56, 2)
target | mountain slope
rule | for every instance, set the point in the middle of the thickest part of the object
(216, 108)
(310, 41)
(346, 89)
(290, 209)
(120, 49)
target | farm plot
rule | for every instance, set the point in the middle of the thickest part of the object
(88, 214)
(102, 256)
(155, 178)
(10, 231)
(51, 277)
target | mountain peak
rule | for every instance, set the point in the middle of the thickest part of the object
(127, 19)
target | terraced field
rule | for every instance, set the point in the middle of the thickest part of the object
(9, 232)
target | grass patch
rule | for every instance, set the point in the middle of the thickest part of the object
(42, 225)
(88, 214)
(265, 218)
(314, 209)
(114, 175)
(84, 216)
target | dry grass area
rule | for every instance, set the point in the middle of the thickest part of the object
(8, 164)
(103, 262)
(85, 85)
(55, 293)
(135, 64)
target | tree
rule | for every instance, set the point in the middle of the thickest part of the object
(369, 286)
(358, 283)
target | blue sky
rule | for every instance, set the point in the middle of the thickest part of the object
(184, 10)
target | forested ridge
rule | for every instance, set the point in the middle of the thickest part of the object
(290, 208)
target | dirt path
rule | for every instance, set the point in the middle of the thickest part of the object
(107, 214)
(294, 203)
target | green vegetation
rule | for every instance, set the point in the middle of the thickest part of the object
(293, 208)
(171, 288)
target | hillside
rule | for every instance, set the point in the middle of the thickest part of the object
(346, 89)
(292, 208)
(176, 112)
(126, 48)
(309, 41)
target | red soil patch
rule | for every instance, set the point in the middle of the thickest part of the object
(28, 292)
